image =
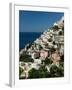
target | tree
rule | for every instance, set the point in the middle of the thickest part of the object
(54, 43)
(40, 47)
(26, 58)
(52, 50)
(50, 39)
(61, 33)
(20, 70)
(42, 72)
(56, 71)
(55, 27)
(48, 61)
(33, 73)
(62, 58)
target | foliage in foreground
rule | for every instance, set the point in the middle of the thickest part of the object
(20, 71)
(43, 73)
(56, 71)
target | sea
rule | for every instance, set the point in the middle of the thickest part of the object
(27, 38)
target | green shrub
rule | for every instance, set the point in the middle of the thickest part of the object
(40, 73)
(26, 58)
(33, 73)
(55, 27)
(56, 71)
(20, 71)
(62, 58)
(48, 61)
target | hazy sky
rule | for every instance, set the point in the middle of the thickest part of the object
(35, 21)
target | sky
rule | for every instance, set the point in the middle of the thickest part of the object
(36, 21)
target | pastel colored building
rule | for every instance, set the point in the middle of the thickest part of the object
(44, 54)
(55, 57)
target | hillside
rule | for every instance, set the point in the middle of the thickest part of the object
(44, 58)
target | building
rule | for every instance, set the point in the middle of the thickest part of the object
(43, 54)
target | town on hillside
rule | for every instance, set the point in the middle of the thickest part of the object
(44, 58)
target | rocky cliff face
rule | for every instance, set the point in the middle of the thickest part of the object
(49, 46)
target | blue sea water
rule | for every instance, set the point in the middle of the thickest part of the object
(27, 37)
